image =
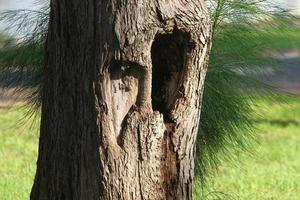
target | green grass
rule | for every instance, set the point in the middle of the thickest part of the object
(18, 153)
(272, 172)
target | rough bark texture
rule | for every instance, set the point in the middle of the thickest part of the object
(121, 99)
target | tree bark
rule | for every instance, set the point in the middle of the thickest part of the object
(121, 99)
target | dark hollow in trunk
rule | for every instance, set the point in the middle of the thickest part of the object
(168, 55)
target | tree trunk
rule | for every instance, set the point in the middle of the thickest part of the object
(121, 99)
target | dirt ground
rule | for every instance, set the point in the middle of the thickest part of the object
(8, 98)
(287, 78)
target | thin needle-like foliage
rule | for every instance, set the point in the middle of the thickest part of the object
(21, 58)
(239, 59)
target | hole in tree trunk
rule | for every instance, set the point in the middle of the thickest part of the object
(168, 59)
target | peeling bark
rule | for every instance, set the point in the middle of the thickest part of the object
(121, 99)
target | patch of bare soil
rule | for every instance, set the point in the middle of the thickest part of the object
(287, 79)
(8, 97)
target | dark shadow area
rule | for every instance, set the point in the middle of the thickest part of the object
(12, 79)
(168, 54)
(278, 122)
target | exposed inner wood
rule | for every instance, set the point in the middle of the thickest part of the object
(124, 82)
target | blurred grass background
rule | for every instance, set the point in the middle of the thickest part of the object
(18, 153)
(272, 171)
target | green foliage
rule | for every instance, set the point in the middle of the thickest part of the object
(243, 31)
(21, 59)
(242, 35)
(4, 40)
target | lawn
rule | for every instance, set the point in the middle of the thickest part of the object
(272, 172)
(18, 153)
